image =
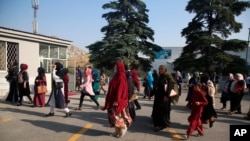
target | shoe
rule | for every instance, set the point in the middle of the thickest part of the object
(157, 129)
(98, 107)
(237, 112)
(211, 123)
(198, 135)
(223, 108)
(137, 108)
(230, 113)
(19, 104)
(79, 108)
(68, 114)
(184, 137)
(49, 115)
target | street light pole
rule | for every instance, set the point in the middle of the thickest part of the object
(248, 45)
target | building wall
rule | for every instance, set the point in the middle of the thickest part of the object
(28, 53)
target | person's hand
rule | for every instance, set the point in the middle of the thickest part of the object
(197, 103)
(24, 85)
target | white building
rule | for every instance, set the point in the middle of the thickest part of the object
(36, 50)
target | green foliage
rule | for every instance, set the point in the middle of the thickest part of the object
(206, 37)
(126, 35)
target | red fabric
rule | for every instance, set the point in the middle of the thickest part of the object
(66, 88)
(39, 99)
(135, 78)
(118, 90)
(24, 67)
(195, 117)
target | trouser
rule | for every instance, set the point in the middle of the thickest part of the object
(21, 98)
(92, 98)
(137, 104)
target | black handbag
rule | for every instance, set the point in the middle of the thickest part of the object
(59, 85)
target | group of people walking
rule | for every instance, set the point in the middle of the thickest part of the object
(120, 101)
(19, 84)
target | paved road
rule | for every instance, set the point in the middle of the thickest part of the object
(25, 123)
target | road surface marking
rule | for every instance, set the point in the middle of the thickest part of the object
(5, 120)
(79, 133)
(174, 134)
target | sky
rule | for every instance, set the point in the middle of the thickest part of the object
(80, 21)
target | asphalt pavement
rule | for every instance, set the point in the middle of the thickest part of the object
(25, 123)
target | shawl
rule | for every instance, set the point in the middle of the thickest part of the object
(118, 90)
(150, 79)
(87, 84)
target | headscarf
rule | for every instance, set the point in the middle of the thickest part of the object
(150, 79)
(41, 72)
(60, 71)
(118, 89)
(88, 73)
(23, 67)
(95, 74)
(163, 77)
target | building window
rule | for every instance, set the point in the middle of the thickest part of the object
(8, 54)
(44, 51)
(49, 54)
(3, 56)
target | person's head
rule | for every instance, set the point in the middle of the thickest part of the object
(155, 71)
(23, 67)
(162, 69)
(204, 78)
(197, 87)
(59, 66)
(119, 67)
(230, 76)
(239, 76)
(14, 63)
(41, 71)
(88, 71)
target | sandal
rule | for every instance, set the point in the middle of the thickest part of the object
(198, 135)
(184, 137)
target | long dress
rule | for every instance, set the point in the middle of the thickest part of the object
(209, 114)
(23, 91)
(57, 93)
(116, 102)
(195, 116)
(161, 108)
(13, 87)
(39, 99)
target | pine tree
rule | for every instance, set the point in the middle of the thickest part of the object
(126, 35)
(206, 34)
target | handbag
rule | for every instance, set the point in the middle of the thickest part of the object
(173, 93)
(41, 89)
(59, 85)
(133, 97)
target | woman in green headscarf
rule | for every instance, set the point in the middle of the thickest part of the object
(96, 83)
(162, 100)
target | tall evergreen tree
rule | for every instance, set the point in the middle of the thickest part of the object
(126, 35)
(206, 34)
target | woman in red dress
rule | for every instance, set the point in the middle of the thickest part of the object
(39, 98)
(117, 102)
(197, 102)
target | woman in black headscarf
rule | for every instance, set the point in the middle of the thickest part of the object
(12, 79)
(57, 99)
